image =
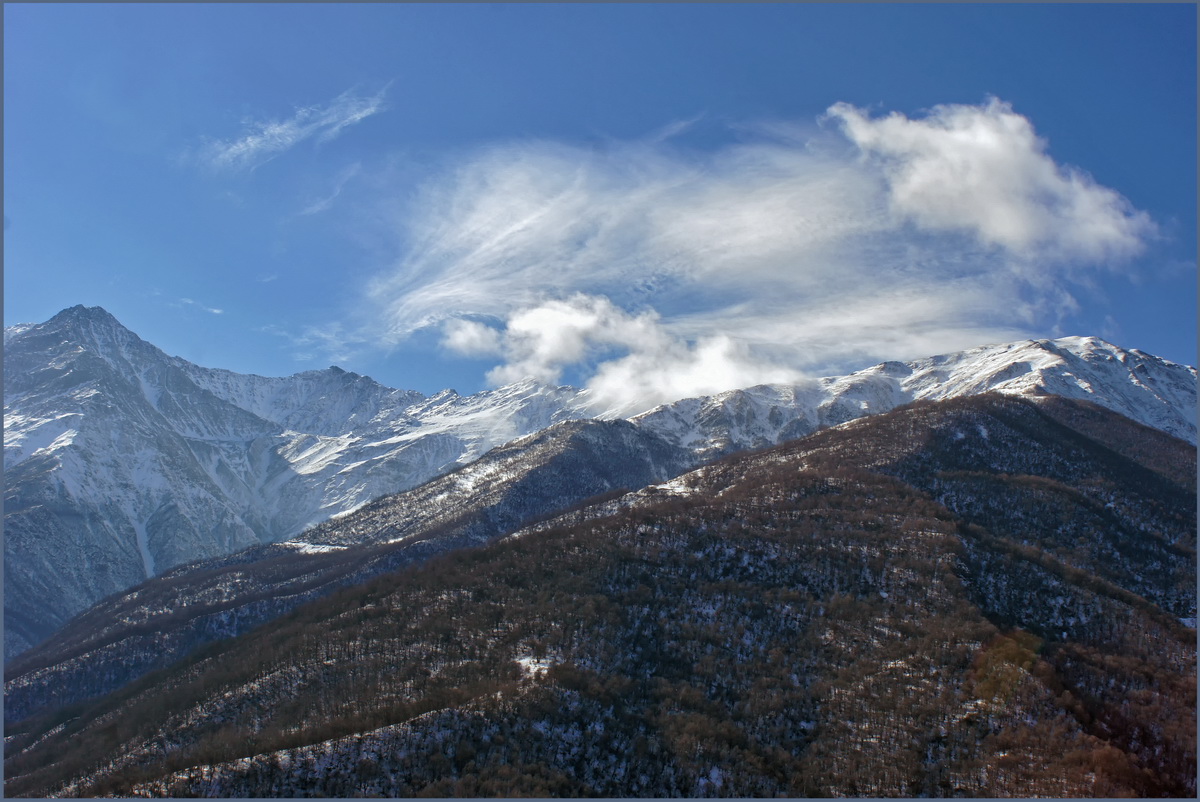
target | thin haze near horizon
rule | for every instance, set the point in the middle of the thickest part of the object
(649, 201)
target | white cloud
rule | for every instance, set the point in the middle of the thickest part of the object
(637, 221)
(209, 309)
(540, 341)
(673, 369)
(983, 170)
(660, 271)
(645, 364)
(472, 338)
(673, 129)
(263, 141)
(340, 182)
(330, 342)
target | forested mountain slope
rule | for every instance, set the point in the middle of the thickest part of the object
(122, 462)
(163, 619)
(977, 597)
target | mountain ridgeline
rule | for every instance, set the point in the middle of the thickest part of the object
(988, 595)
(166, 618)
(122, 463)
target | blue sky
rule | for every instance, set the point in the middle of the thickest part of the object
(651, 200)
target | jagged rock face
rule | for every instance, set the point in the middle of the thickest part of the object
(977, 597)
(116, 465)
(121, 462)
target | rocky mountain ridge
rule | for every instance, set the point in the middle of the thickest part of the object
(122, 462)
(1139, 386)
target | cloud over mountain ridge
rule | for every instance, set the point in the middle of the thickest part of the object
(791, 251)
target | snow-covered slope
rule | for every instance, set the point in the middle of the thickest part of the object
(121, 462)
(1140, 386)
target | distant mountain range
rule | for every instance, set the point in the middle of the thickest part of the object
(122, 463)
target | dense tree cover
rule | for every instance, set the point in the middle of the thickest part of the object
(166, 618)
(163, 620)
(844, 615)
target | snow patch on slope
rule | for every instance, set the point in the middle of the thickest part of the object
(29, 435)
(143, 545)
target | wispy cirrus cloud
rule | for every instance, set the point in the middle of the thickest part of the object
(325, 203)
(262, 141)
(331, 341)
(658, 272)
(189, 302)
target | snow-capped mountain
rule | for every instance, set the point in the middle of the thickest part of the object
(1140, 386)
(121, 462)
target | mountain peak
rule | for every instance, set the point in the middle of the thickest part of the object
(93, 324)
(79, 312)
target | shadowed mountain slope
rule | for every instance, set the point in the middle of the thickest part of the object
(162, 620)
(976, 597)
